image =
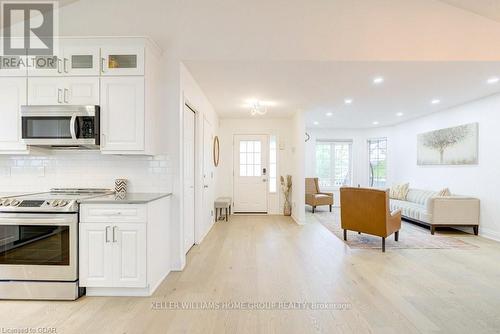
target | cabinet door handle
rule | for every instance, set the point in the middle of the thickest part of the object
(59, 65)
(114, 233)
(66, 60)
(59, 95)
(66, 91)
(107, 239)
(103, 60)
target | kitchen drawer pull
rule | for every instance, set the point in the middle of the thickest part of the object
(59, 95)
(114, 233)
(66, 91)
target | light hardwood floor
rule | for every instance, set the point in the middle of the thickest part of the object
(271, 259)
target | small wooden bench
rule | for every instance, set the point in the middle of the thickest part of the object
(222, 203)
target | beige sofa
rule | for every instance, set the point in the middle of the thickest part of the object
(426, 207)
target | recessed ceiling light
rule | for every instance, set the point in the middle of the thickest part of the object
(316, 123)
(493, 80)
(378, 80)
(399, 114)
(329, 114)
(436, 101)
(375, 123)
(348, 101)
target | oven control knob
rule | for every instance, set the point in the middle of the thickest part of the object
(1, 201)
(14, 202)
(6, 202)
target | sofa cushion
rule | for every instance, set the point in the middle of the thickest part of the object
(419, 196)
(410, 209)
(399, 191)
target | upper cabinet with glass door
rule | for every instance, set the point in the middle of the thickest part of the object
(122, 61)
(71, 57)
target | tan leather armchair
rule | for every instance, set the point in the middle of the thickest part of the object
(314, 197)
(367, 211)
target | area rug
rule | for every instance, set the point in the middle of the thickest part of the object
(411, 236)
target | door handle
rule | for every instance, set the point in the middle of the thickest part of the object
(72, 129)
(66, 91)
(114, 233)
(107, 227)
(59, 95)
(205, 186)
(264, 180)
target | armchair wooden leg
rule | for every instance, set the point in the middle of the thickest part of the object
(433, 229)
(383, 245)
(314, 208)
(476, 230)
(345, 235)
(330, 208)
(396, 236)
(359, 232)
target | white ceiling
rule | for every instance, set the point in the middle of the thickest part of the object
(320, 87)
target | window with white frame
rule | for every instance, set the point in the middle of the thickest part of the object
(377, 162)
(333, 163)
(250, 158)
(273, 163)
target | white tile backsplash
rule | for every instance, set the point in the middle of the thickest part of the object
(84, 169)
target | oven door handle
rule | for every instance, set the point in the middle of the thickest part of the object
(72, 127)
(36, 221)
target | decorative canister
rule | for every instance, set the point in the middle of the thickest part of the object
(121, 186)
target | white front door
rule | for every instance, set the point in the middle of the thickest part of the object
(250, 173)
(189, 170)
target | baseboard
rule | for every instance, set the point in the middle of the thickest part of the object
(296, 220)
(489, 234)
(152, 289)
(118, 292)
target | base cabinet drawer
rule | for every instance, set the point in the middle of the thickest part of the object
(123, 213)
(113, 255)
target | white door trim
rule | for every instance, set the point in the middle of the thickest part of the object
(188, 108)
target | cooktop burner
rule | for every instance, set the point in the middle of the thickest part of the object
(57, 200)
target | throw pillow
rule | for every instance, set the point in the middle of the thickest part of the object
(399, 191)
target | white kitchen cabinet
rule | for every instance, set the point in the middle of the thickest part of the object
(96, 255)
(113, 255)
(12, 96)
(124, 248)
(129, 255)
(81, 60)
(117, 60)
(122, 115)
(68, 90)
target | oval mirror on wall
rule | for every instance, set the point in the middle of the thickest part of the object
(216, 151)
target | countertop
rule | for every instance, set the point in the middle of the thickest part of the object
(129, 198)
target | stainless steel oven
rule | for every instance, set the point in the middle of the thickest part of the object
(39, 246)
(61, 126)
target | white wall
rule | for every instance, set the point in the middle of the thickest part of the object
(193, 95)
(298, 130)
(230, 127)
(482, 180)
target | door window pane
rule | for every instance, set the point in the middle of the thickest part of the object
(250, 159)
(122, 61)
(45, 127)
(81, 61)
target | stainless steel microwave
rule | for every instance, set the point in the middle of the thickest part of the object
(61, 126)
